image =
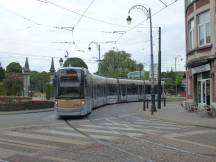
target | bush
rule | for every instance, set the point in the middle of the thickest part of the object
(14, 99)
(2, 89)
(13, 84)
(49, 91)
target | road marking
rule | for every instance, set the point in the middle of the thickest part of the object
(193, 143)
(6, 153)
(27, 144)
(58, 159)
(98, 131)
(134, 129)
(103, 137)
(46, 138)
(56, 132)
(176, 135)
(143, 126)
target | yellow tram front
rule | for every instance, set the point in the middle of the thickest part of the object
(69, 85)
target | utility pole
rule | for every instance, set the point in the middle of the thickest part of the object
(99, 61)
(159, 70)
(153, 107)
(176, 86)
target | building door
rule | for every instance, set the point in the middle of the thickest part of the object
(203, 92)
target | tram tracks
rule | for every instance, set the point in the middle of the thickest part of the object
(142, 140)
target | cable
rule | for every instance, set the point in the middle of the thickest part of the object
(146, 20)
(163, 3)
(87, 17)
(84, 13)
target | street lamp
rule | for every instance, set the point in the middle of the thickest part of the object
(61, 62)
(147, 12)
(176, 58)
(98, 47)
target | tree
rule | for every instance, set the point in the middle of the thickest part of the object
(146, 75)
(2, 89)
(14, 67)
(117, 64)
(2, 73)
(49, 91)
(75, 62)
(13, 84)
(39, 81)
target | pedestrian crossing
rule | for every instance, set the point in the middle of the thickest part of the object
(84, 133)
(106, 130)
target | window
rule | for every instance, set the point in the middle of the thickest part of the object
(191, 34)
(204, 28)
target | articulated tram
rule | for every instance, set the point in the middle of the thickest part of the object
(78, 92)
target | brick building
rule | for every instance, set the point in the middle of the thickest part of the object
(200, 22)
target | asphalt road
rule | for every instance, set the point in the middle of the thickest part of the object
(118, 133)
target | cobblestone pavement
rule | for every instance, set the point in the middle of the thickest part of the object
(121, 137)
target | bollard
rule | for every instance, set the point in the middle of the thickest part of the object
(164, 102)
(144, 108)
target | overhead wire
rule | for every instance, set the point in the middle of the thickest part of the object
(135, 26)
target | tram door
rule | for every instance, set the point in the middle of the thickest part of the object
(203, 93)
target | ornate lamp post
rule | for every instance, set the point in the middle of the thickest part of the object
(61, 62)
(99, 51)
(147, 12)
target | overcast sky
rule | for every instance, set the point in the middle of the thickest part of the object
(31, 28)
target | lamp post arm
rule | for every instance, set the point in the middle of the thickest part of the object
(140, 7)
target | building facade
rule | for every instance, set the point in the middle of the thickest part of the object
(200, 22)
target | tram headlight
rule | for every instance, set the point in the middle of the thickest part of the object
(56, 103)
(82, 102)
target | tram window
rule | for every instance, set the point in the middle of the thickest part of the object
(123, 90)
(112, 89)
(140, 89)
(147, 89)
(100, 90)
(132, 89)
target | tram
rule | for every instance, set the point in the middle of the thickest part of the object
(78, 92)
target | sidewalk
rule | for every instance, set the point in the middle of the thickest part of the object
(173, 112)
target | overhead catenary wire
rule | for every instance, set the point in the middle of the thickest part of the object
(135, 26)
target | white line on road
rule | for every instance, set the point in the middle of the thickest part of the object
(46, 138)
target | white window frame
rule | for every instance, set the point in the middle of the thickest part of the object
(203, 24)
(191, 31)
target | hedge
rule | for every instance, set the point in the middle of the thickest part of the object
(27, 105)
(14, 99)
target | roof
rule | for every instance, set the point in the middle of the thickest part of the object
(26, 67)
(52, 68)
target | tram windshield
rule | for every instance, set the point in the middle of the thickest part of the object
(70, 83)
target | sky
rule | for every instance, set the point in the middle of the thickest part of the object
(42, 29)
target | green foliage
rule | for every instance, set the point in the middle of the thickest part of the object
(117, 64)
(75, 62)
(139, 67)
(14, 67)
(146, 75)
(49, 91)
(39, 81)
(172, 79)
(13, 84)
(2, 89)
(2, 73)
